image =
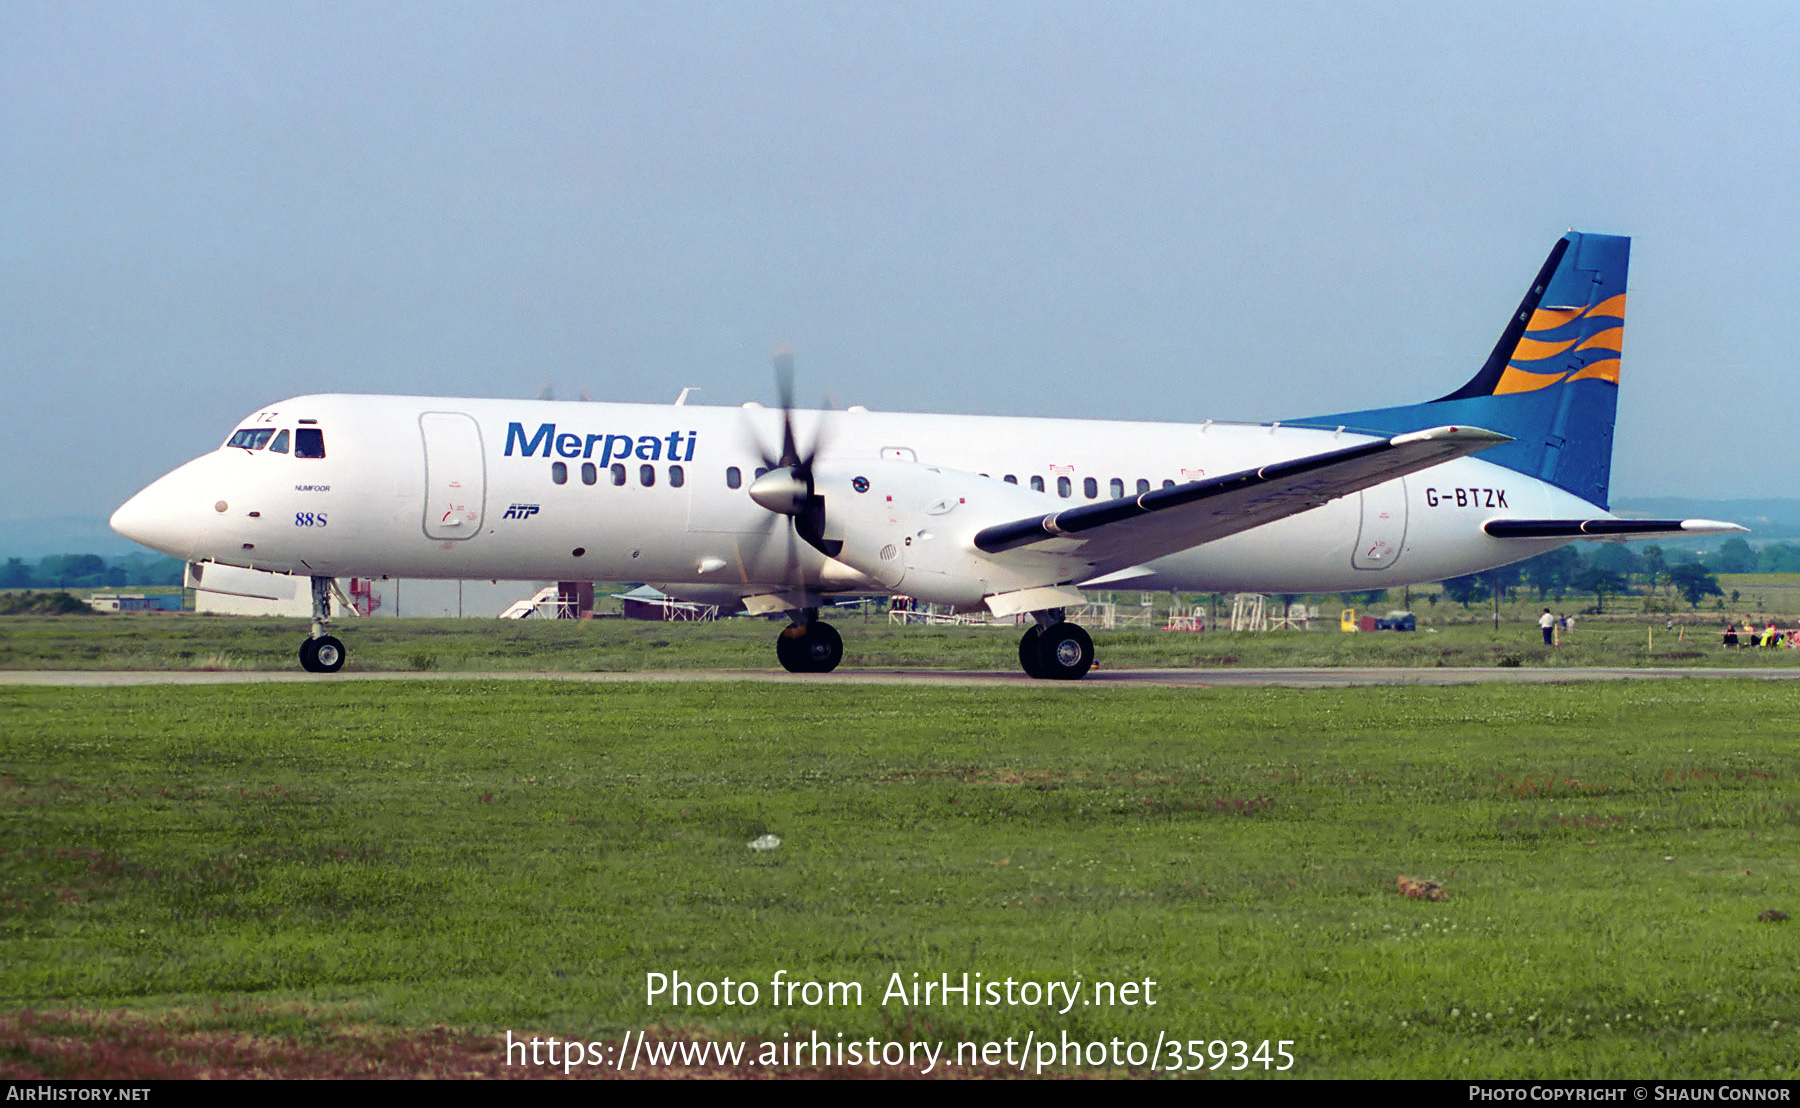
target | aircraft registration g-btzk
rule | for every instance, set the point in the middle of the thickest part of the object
(784, 511)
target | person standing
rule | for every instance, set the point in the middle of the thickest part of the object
(1547, 623)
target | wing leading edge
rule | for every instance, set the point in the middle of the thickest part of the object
(1117, 533)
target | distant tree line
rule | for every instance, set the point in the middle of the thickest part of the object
(90, 571)
(1736, 556)
(1610, 570)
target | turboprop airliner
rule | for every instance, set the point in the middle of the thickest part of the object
(776, 511)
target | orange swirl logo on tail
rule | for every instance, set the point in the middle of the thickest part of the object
(1567, 344)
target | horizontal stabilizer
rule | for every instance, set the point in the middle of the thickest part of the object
(1114, 534)
(1606, 528)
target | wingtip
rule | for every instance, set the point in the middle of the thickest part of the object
(1713, 527)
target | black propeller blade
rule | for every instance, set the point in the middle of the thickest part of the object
(787, 487)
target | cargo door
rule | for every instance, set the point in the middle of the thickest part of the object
(1383, 532)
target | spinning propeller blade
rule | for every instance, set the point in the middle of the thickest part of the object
(787, 487)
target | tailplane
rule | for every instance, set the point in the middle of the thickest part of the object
(1552, 381)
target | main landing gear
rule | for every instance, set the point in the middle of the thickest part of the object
(321, 653)
(809, 645)
(1054, 649)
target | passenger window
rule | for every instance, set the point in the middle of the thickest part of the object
(309, 442)
(1116, 488)
(1168, 484)
(1143, 486)
(677, 477)
(1037, 483)
(618, 473)
(280, 445)
(1090, 488)
(734, 477)
(1010, 479)
(646, 475)
(559, 473)
(1064, 487)
(589, 475)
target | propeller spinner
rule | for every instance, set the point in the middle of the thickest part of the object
(787, 488)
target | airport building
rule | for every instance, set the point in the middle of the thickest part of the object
(228, 590)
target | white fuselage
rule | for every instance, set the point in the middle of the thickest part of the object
(460, 488)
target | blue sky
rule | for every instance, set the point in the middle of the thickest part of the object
(1139, 210)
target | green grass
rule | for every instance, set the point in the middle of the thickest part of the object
(503, 855)
(141, 641)
(1762, 594)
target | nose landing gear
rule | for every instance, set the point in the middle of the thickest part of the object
(321, 653)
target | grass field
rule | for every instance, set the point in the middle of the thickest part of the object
(352, 878)
(180, 642)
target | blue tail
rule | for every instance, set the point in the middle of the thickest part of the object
(1552, 382)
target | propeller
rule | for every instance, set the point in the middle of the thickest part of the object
(787, 486)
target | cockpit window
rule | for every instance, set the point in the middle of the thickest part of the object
(252, 438)
(280, 445)
(309, 442)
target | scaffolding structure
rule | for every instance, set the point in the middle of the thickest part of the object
(546, 603)
(1249, 612)
(1254, 612)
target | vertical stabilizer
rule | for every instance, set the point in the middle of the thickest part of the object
(1552, 381)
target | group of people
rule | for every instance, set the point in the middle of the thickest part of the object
(1747, 635)
(1770, 636)
(1552, 624)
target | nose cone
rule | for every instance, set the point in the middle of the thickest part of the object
(144, 519)
(164, 516)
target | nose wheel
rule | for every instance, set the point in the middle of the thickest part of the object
(322, 655)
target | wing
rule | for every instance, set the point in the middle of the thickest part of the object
(1114, 534)
(1617, 530)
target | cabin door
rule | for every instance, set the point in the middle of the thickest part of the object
(455, 475)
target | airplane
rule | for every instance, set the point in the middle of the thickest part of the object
(785, 511)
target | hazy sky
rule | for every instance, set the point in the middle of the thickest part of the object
(1132, 210)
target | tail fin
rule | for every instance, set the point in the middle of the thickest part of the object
(1552, 381)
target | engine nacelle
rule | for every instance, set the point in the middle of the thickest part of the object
(911, 526)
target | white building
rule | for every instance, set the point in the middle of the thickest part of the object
(228, 590)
